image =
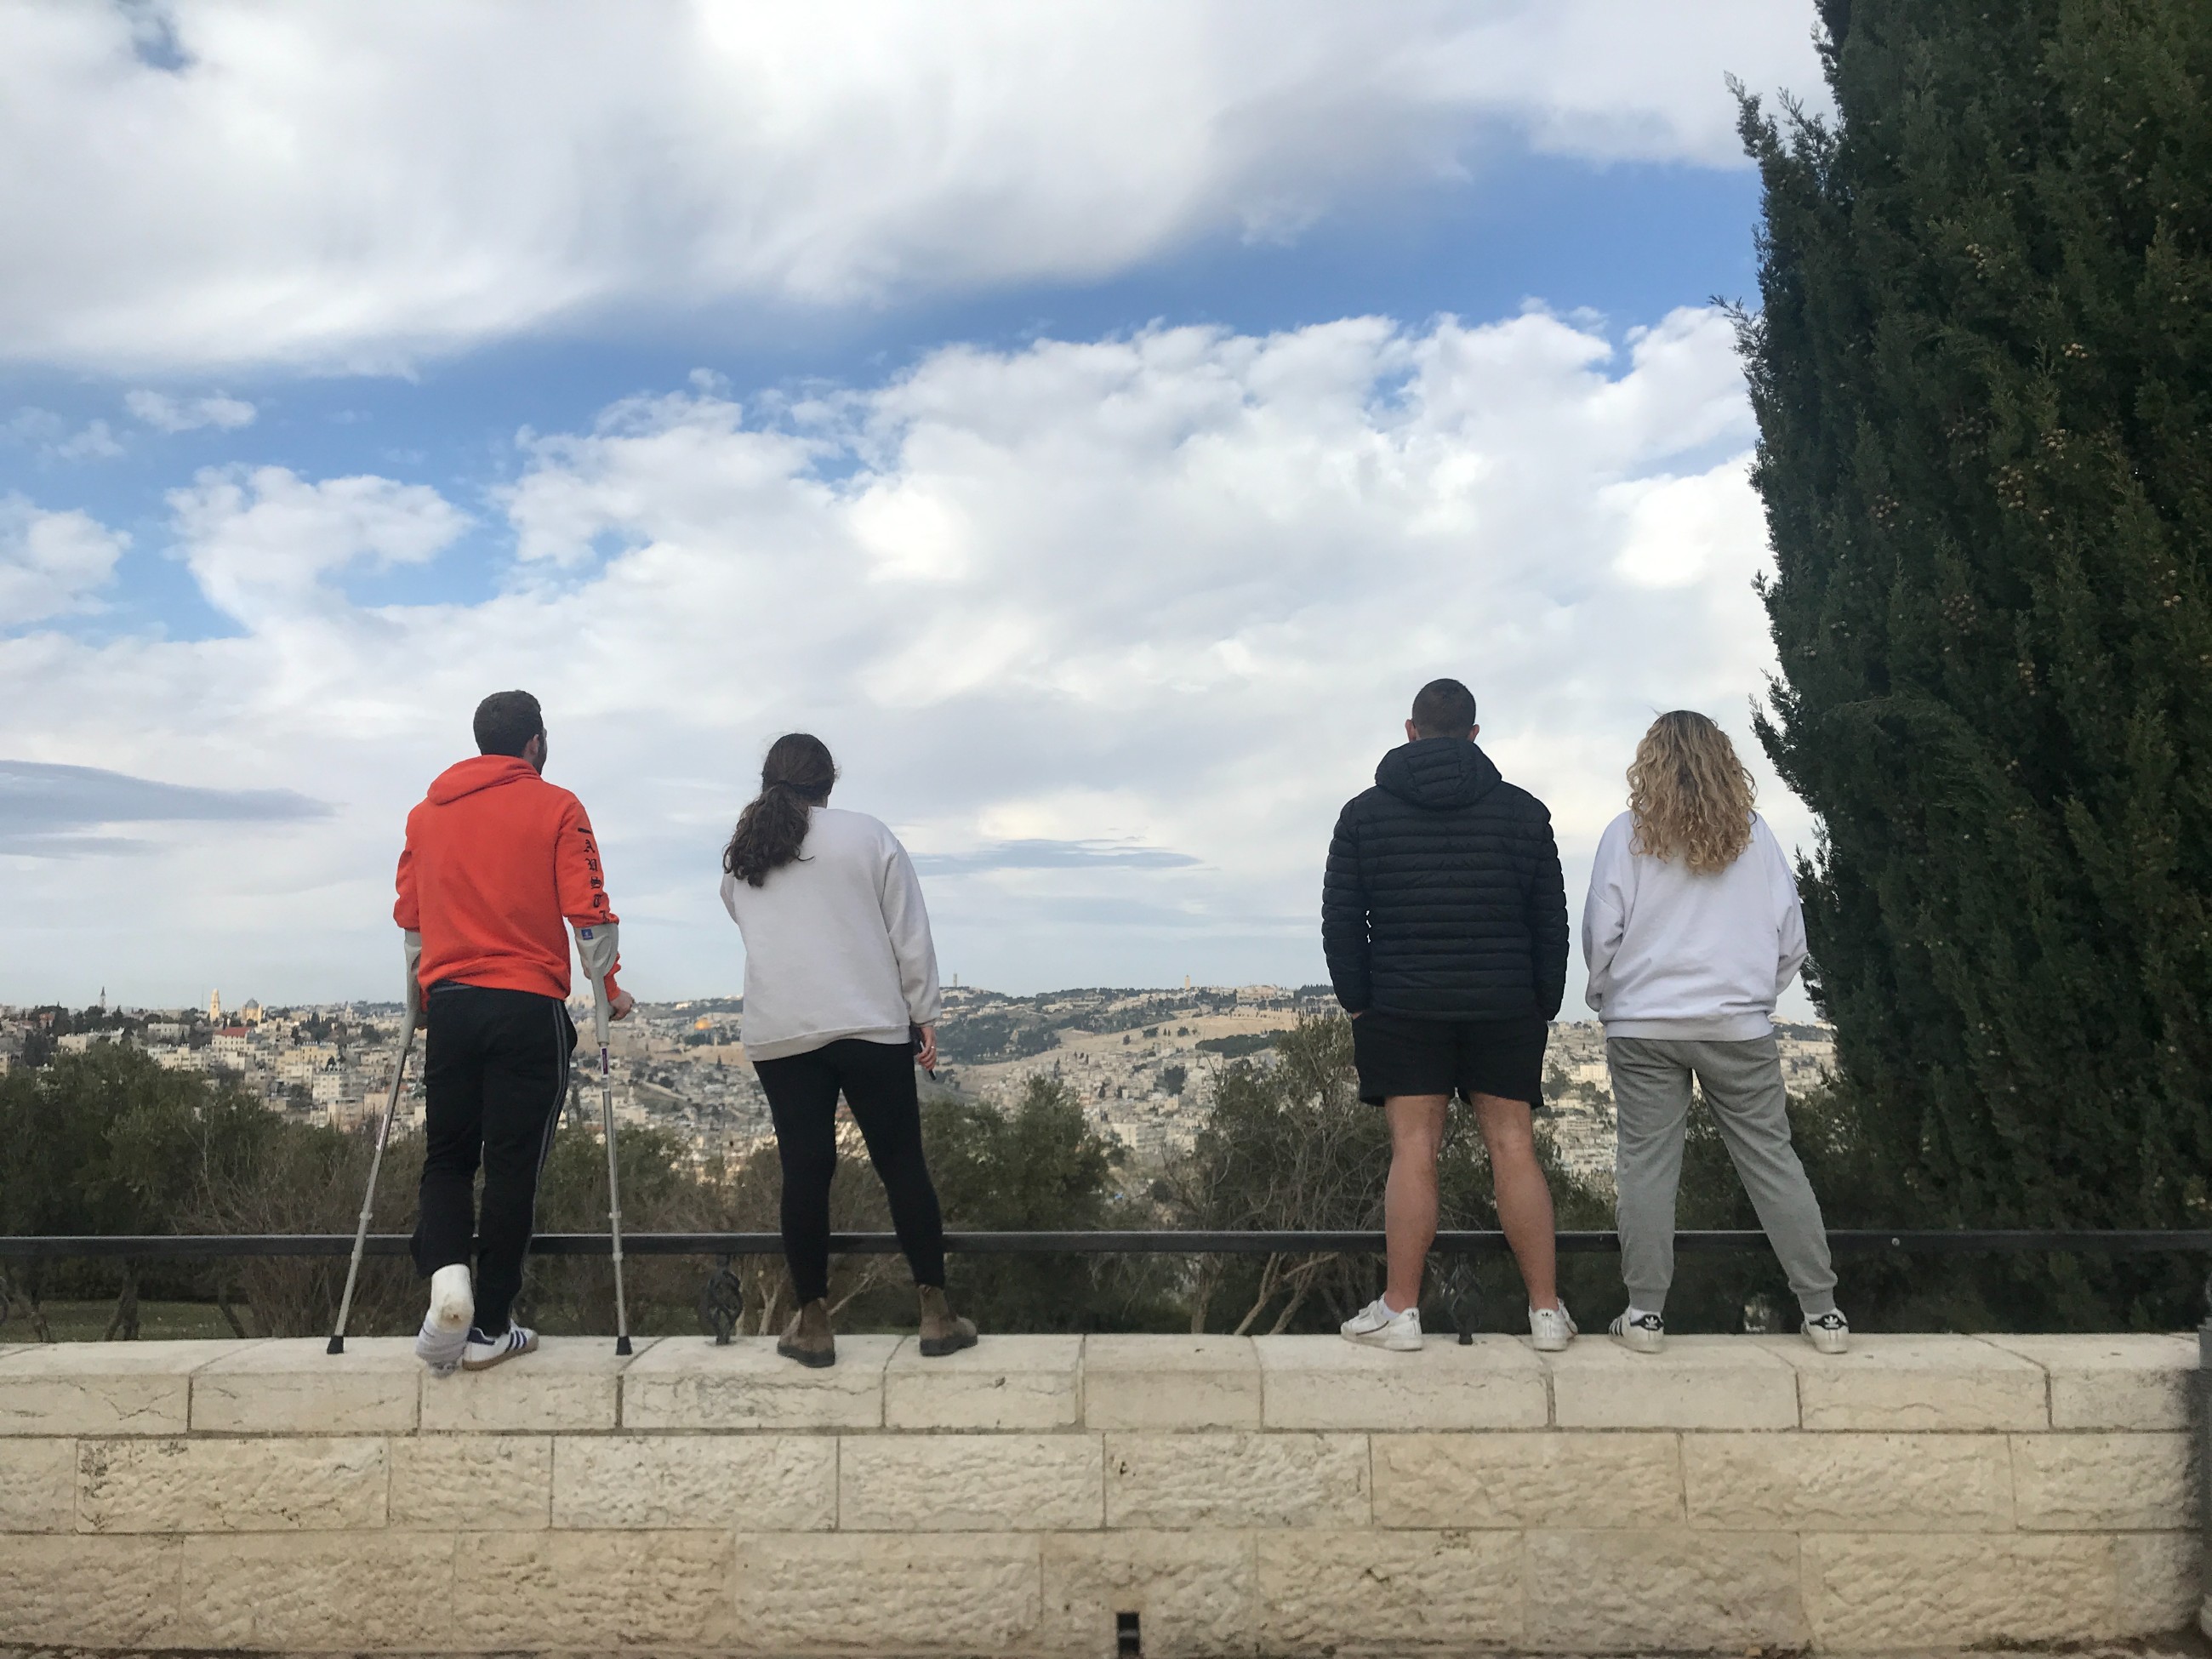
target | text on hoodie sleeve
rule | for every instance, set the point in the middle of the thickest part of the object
(579, 877)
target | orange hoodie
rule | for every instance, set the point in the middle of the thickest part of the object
(497, 861)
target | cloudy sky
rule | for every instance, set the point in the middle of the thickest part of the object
(1093, 420)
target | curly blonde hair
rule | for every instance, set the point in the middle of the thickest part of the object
(1688, 793)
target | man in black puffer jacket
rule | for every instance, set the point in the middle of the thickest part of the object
(1444, 919)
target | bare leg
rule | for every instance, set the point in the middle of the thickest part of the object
(1409, 1200)
(1524, 1199)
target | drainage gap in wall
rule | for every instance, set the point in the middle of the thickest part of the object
(1128, 1638)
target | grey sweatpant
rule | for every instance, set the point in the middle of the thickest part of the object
(1742, 1083)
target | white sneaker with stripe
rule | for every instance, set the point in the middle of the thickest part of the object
(486, 1352)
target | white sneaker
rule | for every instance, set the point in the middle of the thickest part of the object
(1551, 1328)
(1378, 1327)
(486, 1352)
(445, 1333)
(1831, 1333)
(1646, 1332)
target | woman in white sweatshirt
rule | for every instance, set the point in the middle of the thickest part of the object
(1692, 930)
(840, 996)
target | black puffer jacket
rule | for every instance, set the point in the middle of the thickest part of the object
(1444, 896)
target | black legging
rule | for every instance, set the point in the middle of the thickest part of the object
(877, 1081)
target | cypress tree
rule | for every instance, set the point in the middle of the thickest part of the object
(1983, 377)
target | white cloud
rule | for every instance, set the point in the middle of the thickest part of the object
(356, 185)
(167, 414)
(52, 564)
(1166, 595)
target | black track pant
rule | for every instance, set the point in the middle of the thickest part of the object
(495, 1074)
(877, 1081)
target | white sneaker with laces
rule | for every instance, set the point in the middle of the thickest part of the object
(1378, 1326)
(1831, 1333)
(1551, 1328)
(486, 1352)
(1645, 1333)
(445, 1334)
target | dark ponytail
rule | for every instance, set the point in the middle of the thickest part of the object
(797, 774)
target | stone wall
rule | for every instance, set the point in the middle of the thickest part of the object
(1287, 1496)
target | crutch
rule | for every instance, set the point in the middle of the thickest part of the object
(596, 946)
(383, 1134)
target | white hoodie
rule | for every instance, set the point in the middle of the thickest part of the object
(1675, 954)
(836, 942)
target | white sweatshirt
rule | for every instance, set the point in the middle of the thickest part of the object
(836, 942)
(1675, 954)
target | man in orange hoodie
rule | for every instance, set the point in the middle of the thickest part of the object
(497, 860)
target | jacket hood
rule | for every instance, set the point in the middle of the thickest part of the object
(483, 772)
(1438, 772)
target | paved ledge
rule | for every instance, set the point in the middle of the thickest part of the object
(1282, 1496)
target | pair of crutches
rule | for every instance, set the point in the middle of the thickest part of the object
(596, 946)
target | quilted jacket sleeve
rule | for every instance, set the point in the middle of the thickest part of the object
(1548, 933)
(1343, 939)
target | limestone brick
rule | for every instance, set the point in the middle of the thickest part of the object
(777, 1482)
(298, 1387)
(1326, 1382)
(1170, 1382)
(1488, 1481)
(970, 1483)
(1849, 1482)
(1897, 1591)
(471, 1482)
(1175, 1481)
(349, 1592)
(1914, 1383)
(1328, 1593)
(1002, 1382)
(37, 1486)
(593, 1591)
(571, 1384)
(2159, 1579)
(2115, 1382)
(230, 1485)
(90, 1592)
(1695, 1382)
(688, 1382)
(1192, 1592)
(1639, 1591)
(2104, 1482)
(974, 1594)
(103, 1387)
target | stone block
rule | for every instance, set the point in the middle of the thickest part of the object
(1170, 1382)
(472, 1482)
(322, 1592)
(571, 1384)
(1328, 1593)
(230, 1485)
(1168, 1481)
(1899, 1590)
(687, 1382)
(297, 1387)
(1695, 1382)
(2159, 1581)
(90, 1592)
(1849, 1482)
(1489, 1481)
(1326, 1382)
(970, 1483)
(37, 1486)
(776, 1482)
(2104, 1482)
(593, 1591)
(103, 1387)
(973, 1594)
(1916, 1382)
(1640, 1591)
(1191, 1591)
(2122, 1382)
(1002, 1382)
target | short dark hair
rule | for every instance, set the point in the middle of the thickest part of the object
(506, 721)
(1443, 709)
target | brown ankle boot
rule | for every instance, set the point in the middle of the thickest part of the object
(943, 1331)
(807, 1339)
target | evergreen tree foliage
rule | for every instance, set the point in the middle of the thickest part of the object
(1983, 377)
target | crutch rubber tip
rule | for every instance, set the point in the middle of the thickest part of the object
(338, 1346)
(622, 1345)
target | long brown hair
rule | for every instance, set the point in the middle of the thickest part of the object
(797, 774)
(1689, 795)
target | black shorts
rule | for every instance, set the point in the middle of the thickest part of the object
(1400, 1055)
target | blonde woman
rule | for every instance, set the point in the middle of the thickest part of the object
(1691, 932)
